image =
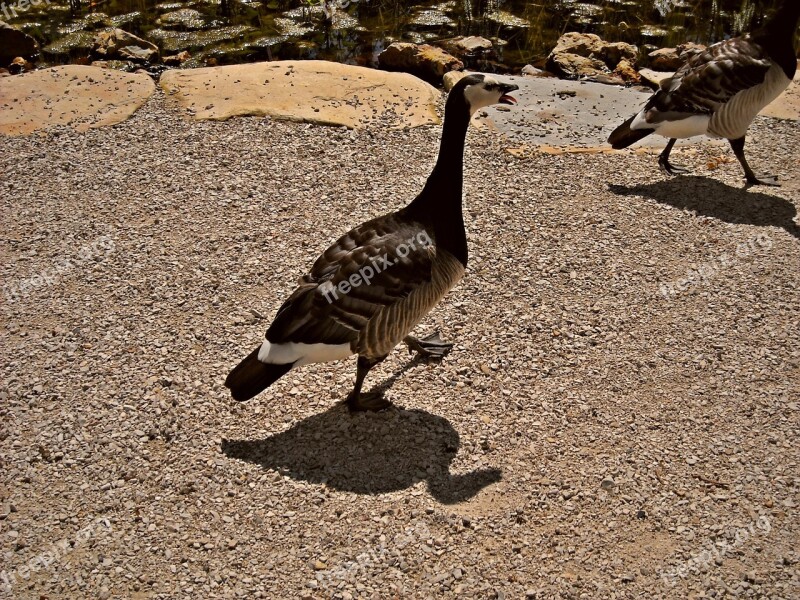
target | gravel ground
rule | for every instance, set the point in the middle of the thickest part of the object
(592, 434)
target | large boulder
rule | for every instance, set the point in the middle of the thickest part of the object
(575, 66)
(672, 59)
(472, 45)
(423, 60)
(451, 78)
(587, 56)
(118, 43)
(591, 45)
(14, 43)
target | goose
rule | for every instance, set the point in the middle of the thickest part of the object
(719, 91)
(366, 292)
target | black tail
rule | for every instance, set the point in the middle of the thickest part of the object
(623, 136)
(251, 377)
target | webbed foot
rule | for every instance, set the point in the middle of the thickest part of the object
(432, 346)
(370, 401)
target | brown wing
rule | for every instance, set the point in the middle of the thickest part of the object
(710, 78)
(386, 258)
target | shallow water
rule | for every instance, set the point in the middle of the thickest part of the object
(233, 31)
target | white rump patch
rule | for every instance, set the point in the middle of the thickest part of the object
(302, 354)
(686, 127)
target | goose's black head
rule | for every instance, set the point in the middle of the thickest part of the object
(477, 91)
(777, 36)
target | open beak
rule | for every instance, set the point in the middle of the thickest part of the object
(505, 98)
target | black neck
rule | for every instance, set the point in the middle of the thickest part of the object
(777, 36)
(439, 202)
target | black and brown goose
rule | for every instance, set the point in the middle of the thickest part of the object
(719, 91)
(367, 291)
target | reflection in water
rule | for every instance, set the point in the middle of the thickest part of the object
(356, 34)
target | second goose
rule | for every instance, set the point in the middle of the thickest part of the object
(719, 91)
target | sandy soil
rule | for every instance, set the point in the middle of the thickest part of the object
(618, 419)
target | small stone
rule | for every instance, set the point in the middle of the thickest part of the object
(607, 483)
(531, 71)
(176, 59)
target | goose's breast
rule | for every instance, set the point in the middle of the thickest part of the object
(732, 119)
(388, 327)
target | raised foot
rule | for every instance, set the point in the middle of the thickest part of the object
(371, 401)
(671, 169)
(432, 346)
(770, 180)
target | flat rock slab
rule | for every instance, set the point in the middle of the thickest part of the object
(555, 115)
(312, 91)
(77, 96)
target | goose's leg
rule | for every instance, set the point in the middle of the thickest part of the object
(665, 165)
(738, 150)
(432, 346)
(357, 401)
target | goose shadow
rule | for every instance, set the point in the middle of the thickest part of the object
(368, 453)
(712, 198)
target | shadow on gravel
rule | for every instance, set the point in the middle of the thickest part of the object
(712, 198)
(368, 453)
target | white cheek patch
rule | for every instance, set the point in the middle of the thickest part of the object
(479, 97)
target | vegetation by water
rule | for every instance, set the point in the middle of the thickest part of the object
(356, 31)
